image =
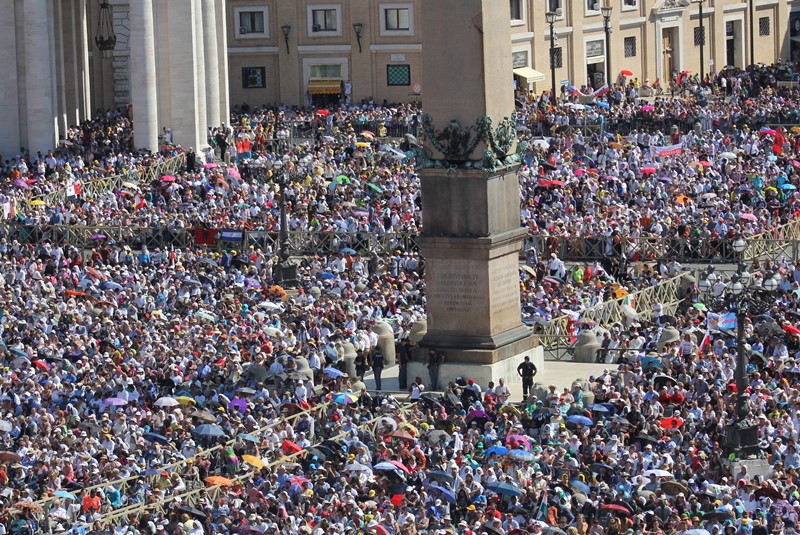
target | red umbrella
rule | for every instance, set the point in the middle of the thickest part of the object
(290, 447)
(324, 113)
(648, 170)
(401, 466)
(767, 132)
(168, 178)
(556, 182)
(706, 164)
(791, 329)
(671, 423)
(626, 72)
(42, 365)
(617, 508)
(544, 182)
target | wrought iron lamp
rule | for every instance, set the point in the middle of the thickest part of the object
(104, 37)
(286, 29)
(358, 27)
(550, 18)
(606, 12)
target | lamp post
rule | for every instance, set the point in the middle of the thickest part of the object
(281, 174)
(606, 11)
(743, 295)
(550, 17)
(702, 41)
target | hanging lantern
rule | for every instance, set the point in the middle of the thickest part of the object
(104, 37)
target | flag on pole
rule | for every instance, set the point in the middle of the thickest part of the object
(139, 202)
(704, 343)
(9, 210)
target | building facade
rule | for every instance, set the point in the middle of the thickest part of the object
(650, 38)
(313, 51)
(307, 52)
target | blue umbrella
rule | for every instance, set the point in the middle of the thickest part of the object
(580, 486)
(655, 362)
(597, 408)
(333, 372)
(110, 285)
(603, 104)
(521, 455)
(155, 437)
(788, 186)
(64, 494)
(248, 437)
(327, 275)
(209, 430)
(447, 494)
(208, 261)
(347, 250)
(504, 487)
(497, 450)
(577, 419)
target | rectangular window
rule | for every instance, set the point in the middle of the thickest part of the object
(398, 75)
(558, 57)
(397, 19)
(592, 5)
(323, 20)
(556, 6)
(630, 47)
(251, 22)
(630, 3)
(729, 29)
(333, 70)
(254, 77)
(516, 9)
(763, 26)
(699, 35)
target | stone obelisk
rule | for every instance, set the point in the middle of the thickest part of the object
(470, 193)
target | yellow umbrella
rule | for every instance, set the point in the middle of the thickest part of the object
(253, 461)
(406, 425)
(37, 202)
(219, 480)
(185, 400)
(362, 144)
(509, 409)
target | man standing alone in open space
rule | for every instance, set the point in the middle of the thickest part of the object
(527, 370)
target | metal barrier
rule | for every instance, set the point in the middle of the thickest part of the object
(122, 484)
(92, 189)
(212, 491)
(668, 294)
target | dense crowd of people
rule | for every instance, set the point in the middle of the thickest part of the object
(188, 376)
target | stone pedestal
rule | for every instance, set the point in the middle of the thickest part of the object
(471, 247)
(385, 342)
(349, 359)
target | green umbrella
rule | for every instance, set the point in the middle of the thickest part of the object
(700, 306)
(375, 188)
(343, 178)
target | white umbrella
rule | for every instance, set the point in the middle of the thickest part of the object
(167, 402)
(358, 467)
(629, 311)
(728, 155)
(541, 143)
(658, 473)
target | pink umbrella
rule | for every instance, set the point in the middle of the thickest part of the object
(168, 178)
(21, 183)
(648, 107)
(648, 170)
(210, 165)
(234, 173)
(401, 466)
(706, 164)
(579, 172)
(519, 439)
(767, 132)
(748, 217)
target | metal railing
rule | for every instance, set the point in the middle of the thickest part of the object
(669, 294)
(123, 484)
(92, 189)
(212, 491)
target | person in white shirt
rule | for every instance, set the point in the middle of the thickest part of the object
(501, 391)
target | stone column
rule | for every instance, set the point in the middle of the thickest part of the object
(9, 94)
(57, 64)
(211, 62)
(40, 111)
(222, 61)
(472, 234)
(181, 34)
(200, 66)
(385, 342)
(144, 98)
(82, 60)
